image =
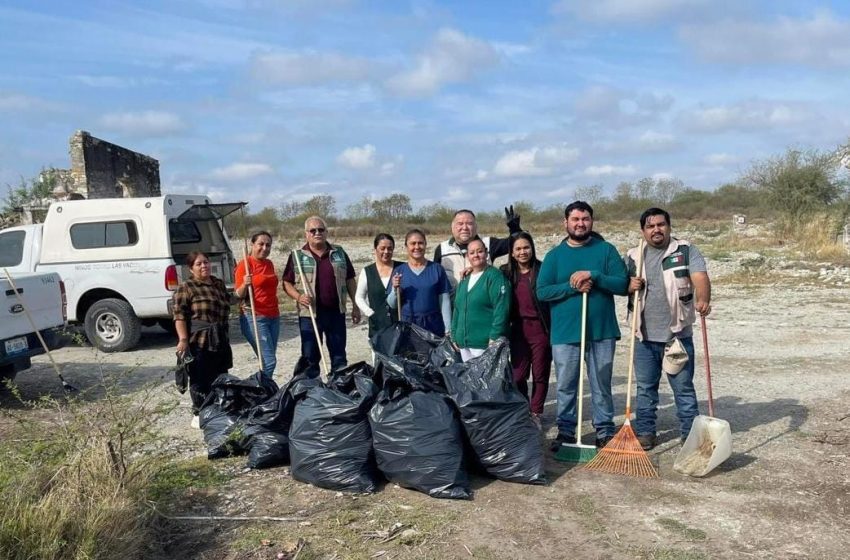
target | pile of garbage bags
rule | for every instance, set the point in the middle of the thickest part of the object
(420, 418)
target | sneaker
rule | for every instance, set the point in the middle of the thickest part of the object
(560, 440)
(647, 441)
(602, 441)
(196, 422)
(537, 421)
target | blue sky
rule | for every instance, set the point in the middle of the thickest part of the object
(474, 104)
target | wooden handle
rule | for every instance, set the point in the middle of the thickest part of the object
(633, 334)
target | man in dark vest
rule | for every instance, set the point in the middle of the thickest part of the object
(328, 274)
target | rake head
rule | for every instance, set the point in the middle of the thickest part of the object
(623, 455)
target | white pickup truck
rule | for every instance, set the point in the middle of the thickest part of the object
(43, 296)
(121, 259)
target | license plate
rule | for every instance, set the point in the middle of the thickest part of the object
(16, 345)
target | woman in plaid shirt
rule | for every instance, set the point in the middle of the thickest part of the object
(201, 310)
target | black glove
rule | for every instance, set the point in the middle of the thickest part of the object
(512, 220)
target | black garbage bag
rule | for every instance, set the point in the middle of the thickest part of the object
(330, 441)
(267, 426)
(496, 417)
(222, 416)
(416, 433)
(411, 342)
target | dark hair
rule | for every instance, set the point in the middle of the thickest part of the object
(382, 236)
(579, 205)
(474, 239)
(464, 211)
(193, 256)
(654, 212)
(513, 265)
(259, 233)
(414, 231)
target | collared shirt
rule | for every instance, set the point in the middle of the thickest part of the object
(326, 291)
(199, 301)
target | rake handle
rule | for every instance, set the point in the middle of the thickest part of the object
(251, 303)
(707, 366)
(633, 334)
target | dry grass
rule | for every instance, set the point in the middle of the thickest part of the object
(76, 486)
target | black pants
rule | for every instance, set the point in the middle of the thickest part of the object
(204, 369)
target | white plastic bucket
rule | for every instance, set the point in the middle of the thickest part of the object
(709, 443)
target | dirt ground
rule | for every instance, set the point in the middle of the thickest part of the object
(779, 355)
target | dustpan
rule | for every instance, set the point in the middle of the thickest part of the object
(710, 441)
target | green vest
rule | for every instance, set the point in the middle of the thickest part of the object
(376, 292)
(308, 267)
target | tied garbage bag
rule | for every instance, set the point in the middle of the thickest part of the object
(409, 342)
(267, 426)
(416, 434)
(496, 417)
(330, 441)
(222, 416)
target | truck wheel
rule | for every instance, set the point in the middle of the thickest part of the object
(112, 326)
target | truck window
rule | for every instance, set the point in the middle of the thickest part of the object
(96, 235)
(183, 232)
(12, 248)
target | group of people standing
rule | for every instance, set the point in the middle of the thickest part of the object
(459, 294)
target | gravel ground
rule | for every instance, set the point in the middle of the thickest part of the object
(779, 354)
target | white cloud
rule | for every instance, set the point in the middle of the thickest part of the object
(652, 141)
(630, 11)
(20, 102)
(535, 162)
(309, 68)
(357, 157)
(821, 41)
(144, 123)
(241, 171)
(720, 159)
(745, 116)
(608, 170)
(451, 57)
(616, 107)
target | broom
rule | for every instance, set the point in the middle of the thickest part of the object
(576, 452)
(623, 454)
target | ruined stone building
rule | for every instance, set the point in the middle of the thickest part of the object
(99, 169)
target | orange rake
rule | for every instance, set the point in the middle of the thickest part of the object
(623, 454)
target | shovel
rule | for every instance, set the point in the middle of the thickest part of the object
(710, 440)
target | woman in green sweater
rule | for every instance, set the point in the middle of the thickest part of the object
(482, 305)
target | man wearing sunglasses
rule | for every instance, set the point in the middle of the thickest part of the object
(328, 275)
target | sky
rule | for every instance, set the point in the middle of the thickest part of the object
(467, 103)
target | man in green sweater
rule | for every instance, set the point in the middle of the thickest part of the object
(583, 263)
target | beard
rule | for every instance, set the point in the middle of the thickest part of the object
(578, 236)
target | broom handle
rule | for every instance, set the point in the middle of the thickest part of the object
(251, 303)
(398, 301)
(582, 368)
(635, 313)
(707, 366)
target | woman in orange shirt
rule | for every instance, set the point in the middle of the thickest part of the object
(262, 278)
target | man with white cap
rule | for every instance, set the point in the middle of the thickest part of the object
(674, 287)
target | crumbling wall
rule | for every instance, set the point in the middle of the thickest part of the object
(100, 169)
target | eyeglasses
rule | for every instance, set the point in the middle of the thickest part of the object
(317, 230)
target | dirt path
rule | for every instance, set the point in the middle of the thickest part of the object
(780, 361)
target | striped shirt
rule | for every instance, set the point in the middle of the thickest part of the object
(198, 301)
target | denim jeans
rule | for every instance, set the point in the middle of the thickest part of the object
(599, 355)
(332, 330)
(269, 328)
(648, 356)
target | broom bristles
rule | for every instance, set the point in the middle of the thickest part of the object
(623, 455)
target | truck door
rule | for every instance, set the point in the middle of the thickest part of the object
(200, 228)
